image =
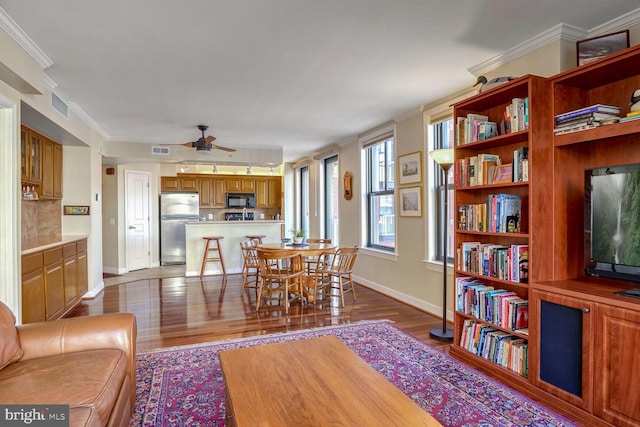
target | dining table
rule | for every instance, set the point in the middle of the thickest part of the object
(306, 250)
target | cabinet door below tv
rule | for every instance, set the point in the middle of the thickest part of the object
(617, 365)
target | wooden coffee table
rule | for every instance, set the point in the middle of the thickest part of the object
(312, 382)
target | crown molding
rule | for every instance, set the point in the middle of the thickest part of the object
(618, 24)
(19, 36)
(49, 84)
(560, 31)
(82, 115)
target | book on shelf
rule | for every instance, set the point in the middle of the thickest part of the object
(596, 108)
(585, 118)
(576, 128)
(497, 346)
(520, 156)
(520, 263)
(629, 118)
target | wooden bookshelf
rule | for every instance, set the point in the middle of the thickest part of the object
(577, 323)
(537, 139)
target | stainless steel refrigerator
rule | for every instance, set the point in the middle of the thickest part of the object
(175, 210)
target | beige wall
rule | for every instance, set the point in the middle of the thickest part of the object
(81, 177)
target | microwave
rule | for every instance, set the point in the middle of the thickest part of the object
(241, 200)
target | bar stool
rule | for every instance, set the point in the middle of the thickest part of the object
(257, 237)
(212, 245)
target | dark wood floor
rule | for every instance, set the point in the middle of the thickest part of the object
(173, 311)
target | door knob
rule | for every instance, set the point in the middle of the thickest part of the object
(132, 227)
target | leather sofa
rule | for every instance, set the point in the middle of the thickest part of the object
(87, 363)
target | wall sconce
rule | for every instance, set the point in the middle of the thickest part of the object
(271, 171)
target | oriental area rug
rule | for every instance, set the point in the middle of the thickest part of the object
(183, 386)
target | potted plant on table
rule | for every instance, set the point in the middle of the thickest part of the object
(298, 236)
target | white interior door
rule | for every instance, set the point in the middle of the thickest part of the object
(137, 221)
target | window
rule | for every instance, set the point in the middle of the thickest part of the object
(331, 198)
(380, 183)
(442, 137)
(303, 198)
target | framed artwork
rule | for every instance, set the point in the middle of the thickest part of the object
(503, 173)
(410, 168)
(598, 47)
(76, 210)
(410, 201)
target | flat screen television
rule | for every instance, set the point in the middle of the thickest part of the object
(612, 222)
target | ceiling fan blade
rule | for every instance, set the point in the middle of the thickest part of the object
(220, 147)
(208, 140)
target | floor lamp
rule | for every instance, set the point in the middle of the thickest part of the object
(444, 158)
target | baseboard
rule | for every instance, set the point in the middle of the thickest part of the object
(404, 298)
(92, 293)
(114, 270)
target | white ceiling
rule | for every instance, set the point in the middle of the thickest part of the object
(300, 74)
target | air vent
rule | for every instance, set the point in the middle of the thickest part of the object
(59, 105)
(160, 151)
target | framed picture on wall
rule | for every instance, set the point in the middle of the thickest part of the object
(410, 201)
(598, 47)
(410, 168)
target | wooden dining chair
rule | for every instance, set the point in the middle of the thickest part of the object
(312, 261)
(281, 273)
(250, 266)
(335, 272)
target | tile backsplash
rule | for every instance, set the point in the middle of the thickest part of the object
(42, 218)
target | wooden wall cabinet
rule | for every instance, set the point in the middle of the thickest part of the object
(51, 187)
(268, 192)
(211, 191)
(41, 163)
(30, 156)
(179, 183)
(240, 185)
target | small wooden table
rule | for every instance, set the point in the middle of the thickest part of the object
(312, 382)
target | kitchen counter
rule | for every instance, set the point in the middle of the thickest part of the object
(42, 243)
(234, 232)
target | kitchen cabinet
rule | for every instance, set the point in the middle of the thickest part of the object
(53, 280)
(240, 184)
(70, 271)
(211, 191)
(51, 187)
(83, 268)
(30, 156)
(54, 283)
(179, 183)
(33, 305)
(268, 192)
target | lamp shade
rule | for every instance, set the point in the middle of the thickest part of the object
(443, 157)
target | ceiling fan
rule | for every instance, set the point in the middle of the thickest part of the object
(205, 143)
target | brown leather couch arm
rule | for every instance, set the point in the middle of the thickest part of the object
(114, 331)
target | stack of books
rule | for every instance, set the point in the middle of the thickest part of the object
(586, 118)
(631, 116)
